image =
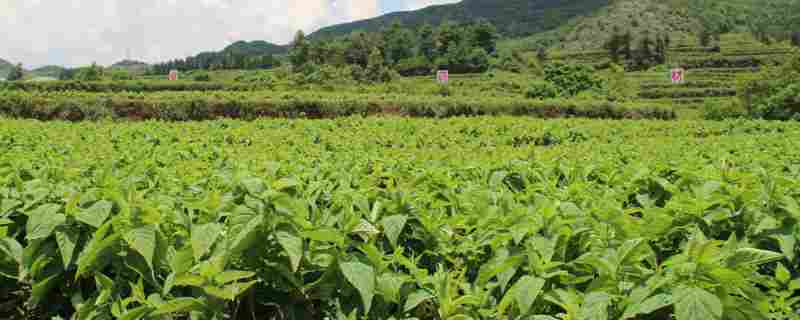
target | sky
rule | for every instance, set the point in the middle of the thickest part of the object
(79, 32)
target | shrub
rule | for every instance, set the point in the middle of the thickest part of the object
(121, 75)
(572, 79)
(713, 110)
(201, 77)
(542, 90)
(775, 93)
(415, 66)
(619, 87)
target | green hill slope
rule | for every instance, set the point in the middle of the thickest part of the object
(46, 71)
(5, 68)
(512, 17)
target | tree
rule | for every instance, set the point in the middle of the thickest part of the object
(16, 73)
(427, 42)
(91, 73)
(614, 44)
(398, 42)
(796, 38)
(485, 36)
(299, 54)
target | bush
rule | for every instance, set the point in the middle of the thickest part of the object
(121, 75)
(720, 111)
(619, 87)
(775, 93)
(572, 79)
(416, 66)
(201, 77)
(542, 90)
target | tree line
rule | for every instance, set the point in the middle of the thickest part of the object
(217, 61)
(460, 48)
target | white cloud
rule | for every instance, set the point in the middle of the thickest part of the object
(78, 32)
(419, 4)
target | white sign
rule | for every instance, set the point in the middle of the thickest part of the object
(678, 76)
(173, 75)
(443, 76)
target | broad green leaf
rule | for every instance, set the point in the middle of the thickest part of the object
(189, 280)
(285, 183)
(43, 221)
(389, 286)
(95, 248)
(595, 306)
(143, 241)
(203, 238)
(292, 244)
(393, 226)
(330, 235)
(66, 244)
(696, 304)
(243, 238)
(525, 291)
(229, 292)
(748, 257)
(362, 277)
(179, 305)
(415, 298)
(12, 249)
(95, 215)
(782, 274)
(231, 276)
(136, 313)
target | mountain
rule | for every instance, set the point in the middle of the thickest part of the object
(513, 18)
(47, 72)
(5, 68)
(132, 66)
(254, 48)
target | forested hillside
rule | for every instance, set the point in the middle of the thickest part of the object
(512, 17)
(5, 68)
(239, 55)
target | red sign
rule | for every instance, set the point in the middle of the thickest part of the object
(173, 75)
(443, 76)
(678, 76)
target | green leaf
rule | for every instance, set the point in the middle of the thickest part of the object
(749, 257)
(189, 280)
(330, 235)
(231, 276)
(143, 241)
(203, 238)
(136, 313)
(94, 250)
(362, 277)
(782, 274)
(95, 215)
(393, 226)
(12, 249)
(389, 286)
(43, 221)
(415, 298)
(229, 292)
(696, 304)
(66, 244)
(595, 306)
(179, 305)
(40, 289)
(292, 244)
(525, 291)
(285, 183)
(245, 237)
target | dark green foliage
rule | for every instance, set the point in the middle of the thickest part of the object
(775, 93)
(415, 66)
(300, 53)
(542, 90)
(239, 55)
(120, 75)
(511, 17)
(16, 73)
(796, 38)
(572, 79)
(201, 76)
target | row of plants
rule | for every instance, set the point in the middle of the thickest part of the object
(687, 93)
(128, 86)
(465, 218)
(181, 106)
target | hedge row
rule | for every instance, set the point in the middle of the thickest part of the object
(126, 86)
(202, 106)
(687, 93)
(696, 84)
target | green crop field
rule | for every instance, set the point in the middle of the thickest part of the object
(398, 218)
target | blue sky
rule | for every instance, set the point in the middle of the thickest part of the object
(79, 32)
